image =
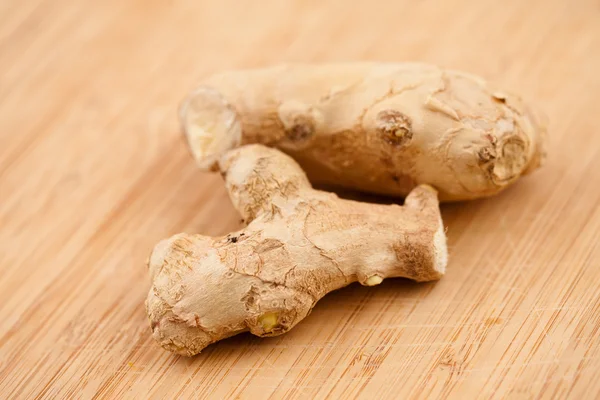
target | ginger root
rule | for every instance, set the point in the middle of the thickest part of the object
(375, 127)
(299, 244)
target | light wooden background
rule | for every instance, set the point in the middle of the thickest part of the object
(94, 171)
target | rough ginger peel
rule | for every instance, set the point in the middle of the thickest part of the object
(374, 127)
(299, 244)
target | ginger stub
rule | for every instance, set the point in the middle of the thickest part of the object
(300, 244)
(375, 127)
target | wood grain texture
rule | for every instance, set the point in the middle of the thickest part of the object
(94, 171)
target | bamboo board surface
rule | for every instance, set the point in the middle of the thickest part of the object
(94, 171)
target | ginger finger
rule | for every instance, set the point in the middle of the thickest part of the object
(375, 127)
(299, 245)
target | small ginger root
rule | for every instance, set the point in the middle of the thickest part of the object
(300, 244)
(374, 127)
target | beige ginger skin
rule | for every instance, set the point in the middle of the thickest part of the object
(374, 127)
(299, 244)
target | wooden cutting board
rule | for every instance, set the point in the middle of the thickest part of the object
(94, 171)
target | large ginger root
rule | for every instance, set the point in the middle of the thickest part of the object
(299, 245)
(380, 128)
